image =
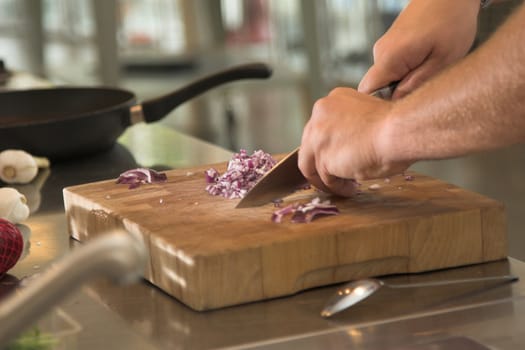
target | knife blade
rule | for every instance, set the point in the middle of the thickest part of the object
(284, 178)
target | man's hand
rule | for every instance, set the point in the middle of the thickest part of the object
(475, 105)
(426, 37)
(342, 141)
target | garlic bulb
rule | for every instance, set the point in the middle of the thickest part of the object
(13, 205)
(32, 190)
(17, 166)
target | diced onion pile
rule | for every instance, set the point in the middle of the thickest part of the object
(135, 177)
(242, 174)
(304, 213)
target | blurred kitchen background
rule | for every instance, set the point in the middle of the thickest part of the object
(152, 47)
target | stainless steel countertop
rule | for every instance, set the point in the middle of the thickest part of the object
(141, 316)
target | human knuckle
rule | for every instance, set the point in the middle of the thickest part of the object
(386, 54)
(383, 49)
(379, 46)
(320, 107)
(338, 91)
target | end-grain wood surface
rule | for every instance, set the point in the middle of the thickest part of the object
(208, 254)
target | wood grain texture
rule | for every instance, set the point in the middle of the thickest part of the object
(208, 254)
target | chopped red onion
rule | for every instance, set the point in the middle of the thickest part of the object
(304, 213)
(211, 175)
(242, 174)
(135, 177)
(278, 215)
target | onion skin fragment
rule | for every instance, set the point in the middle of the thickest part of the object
(135, 177)
(305, 213)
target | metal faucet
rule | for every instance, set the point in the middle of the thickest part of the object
(119, 255)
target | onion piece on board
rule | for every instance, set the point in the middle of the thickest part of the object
(305, 213)
(135, 177)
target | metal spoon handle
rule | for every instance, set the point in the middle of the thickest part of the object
(509, 278)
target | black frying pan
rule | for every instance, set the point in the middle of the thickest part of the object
(65, 122)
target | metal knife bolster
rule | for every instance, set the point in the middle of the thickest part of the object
(386, 92)
(283, 179)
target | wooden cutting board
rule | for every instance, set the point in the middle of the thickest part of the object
(208, 254)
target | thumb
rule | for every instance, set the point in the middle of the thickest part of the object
(417, 77)
(377, 78)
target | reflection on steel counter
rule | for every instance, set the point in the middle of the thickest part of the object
(119, 256)
(156, 315)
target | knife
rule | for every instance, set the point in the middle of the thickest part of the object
(284, 178)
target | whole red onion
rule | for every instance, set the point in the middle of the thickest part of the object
(11, 245)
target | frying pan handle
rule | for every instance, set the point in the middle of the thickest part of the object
(156, 109)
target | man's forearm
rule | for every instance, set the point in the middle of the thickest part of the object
(478, 104)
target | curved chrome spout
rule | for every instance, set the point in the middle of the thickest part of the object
(118, 255)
